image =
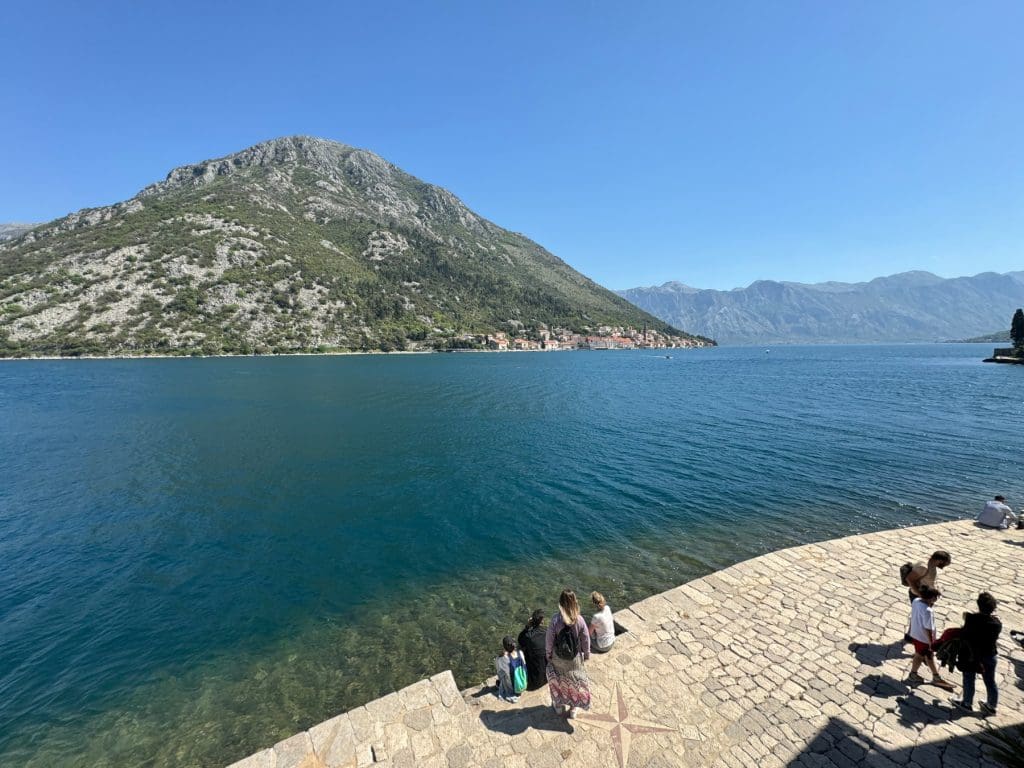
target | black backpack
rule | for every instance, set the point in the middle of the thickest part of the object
(905, 570)
(567, 644)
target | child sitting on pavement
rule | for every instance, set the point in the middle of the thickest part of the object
(923, 635)
(506, 665)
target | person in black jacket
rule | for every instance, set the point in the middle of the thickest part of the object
(531, 643)
(980, 633)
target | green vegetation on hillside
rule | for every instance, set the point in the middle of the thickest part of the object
(989, 338)
(295, 245)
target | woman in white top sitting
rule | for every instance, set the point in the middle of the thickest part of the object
(602, 626)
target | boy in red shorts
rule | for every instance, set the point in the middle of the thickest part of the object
(923, 634)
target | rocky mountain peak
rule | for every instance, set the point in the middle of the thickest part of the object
(675, 285)
(320, 155)
(330, 175)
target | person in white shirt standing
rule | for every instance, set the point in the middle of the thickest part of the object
(997, 514)
(923, 634)
(602, 625)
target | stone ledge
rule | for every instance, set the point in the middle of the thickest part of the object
(788, 659)
(371, 734)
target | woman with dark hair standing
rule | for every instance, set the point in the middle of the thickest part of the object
(567, 646)
(531, 643)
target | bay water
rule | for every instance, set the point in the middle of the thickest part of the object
(199, 557)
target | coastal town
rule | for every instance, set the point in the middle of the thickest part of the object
(562, 339)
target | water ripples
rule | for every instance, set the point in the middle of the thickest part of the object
(203, 556)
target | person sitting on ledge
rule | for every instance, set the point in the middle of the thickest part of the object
(997, 514)
(602, 625)
(506, 665)
(923, 634)
(531, 643)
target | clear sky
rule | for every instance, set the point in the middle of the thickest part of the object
(713, 143)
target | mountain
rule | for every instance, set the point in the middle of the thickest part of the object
(912, 306)
(294, 244)
(14, 229)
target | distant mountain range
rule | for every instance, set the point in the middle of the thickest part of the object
(295, 244)
(14, 229)
(911, 306)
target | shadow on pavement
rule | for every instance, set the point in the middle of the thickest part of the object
(876, 653)
(883, 687)
(842, 743)
(516, 721)
(1018, 666)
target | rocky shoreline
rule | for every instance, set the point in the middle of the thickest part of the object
(347, 353)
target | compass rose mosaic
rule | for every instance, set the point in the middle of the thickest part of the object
(621, 726)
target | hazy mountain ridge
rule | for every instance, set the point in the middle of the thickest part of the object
(293, 244)
(14, 229)
(911, 306)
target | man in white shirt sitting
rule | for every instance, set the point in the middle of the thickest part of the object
(997, 514)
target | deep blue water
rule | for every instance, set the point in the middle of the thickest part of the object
(198, 557)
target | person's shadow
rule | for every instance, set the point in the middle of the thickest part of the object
(873, 654)
(1018, 666)
(916, 710)
(516, 721)
(883, 687)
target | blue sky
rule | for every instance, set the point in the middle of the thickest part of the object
(712, 143)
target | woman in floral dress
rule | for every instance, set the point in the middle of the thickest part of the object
(567, 677)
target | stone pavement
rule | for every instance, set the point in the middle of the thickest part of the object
(790, 659)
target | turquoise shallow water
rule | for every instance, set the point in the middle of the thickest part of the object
(199, 557)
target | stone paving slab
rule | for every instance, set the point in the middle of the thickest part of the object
(790, 659)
